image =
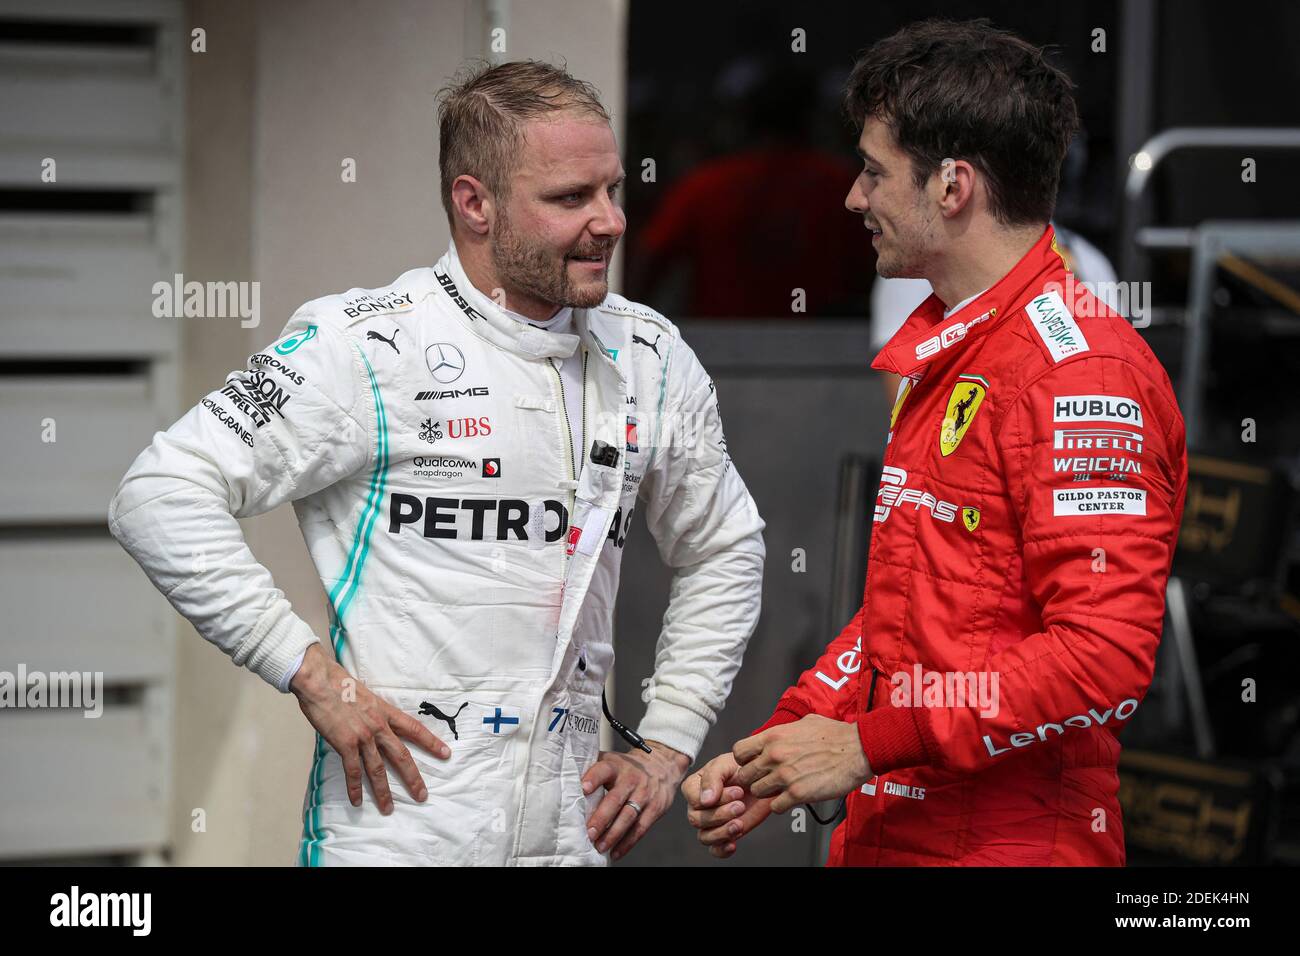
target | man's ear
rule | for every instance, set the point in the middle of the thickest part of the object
(472, 204)
(955, 184)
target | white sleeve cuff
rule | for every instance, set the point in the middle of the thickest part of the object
(277, 651)
(293, 669)
(674, 725)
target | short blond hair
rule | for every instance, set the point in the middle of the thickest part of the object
(481, 114)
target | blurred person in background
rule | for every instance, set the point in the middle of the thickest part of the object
(1029, 503)
(464, 449)
(739, 233)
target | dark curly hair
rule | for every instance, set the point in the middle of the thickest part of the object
(967, 90)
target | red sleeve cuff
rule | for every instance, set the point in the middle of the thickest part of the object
(893, 738)
(788, 710)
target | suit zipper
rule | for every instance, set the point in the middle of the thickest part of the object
(584, 399)
(568, 425)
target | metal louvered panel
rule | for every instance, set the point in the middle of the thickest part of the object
(81, 285)
(99, 423)
(75, 784)
(105, 613)
(91, 169)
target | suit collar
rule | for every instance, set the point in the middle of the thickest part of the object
(489, 321)
(927, 337)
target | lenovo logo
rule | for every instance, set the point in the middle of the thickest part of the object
(1082, 721)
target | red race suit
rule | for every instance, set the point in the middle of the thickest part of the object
(1029, 503)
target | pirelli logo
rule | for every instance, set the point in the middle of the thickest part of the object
(1097, 440)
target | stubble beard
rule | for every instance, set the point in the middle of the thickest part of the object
(533, 269)
(903, 261)
(909, 250)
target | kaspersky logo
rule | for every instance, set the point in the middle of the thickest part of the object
(1056, 326)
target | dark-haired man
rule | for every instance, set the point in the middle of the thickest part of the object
(1030, 498)
(465, 491)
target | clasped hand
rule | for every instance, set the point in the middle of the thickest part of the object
(811, 759)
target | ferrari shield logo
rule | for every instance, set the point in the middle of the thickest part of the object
(967, 396)
(970, 517)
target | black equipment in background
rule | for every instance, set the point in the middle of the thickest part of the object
(1235, 527)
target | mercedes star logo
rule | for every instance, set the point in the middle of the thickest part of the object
(446, 363)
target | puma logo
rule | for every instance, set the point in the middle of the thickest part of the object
(652, 346)
(431, 710)
(379, 338)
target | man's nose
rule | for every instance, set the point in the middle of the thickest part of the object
(610, 220)
(856, 200)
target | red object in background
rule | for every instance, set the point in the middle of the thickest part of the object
(754, 226)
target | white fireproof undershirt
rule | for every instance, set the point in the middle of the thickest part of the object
(570, 375)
